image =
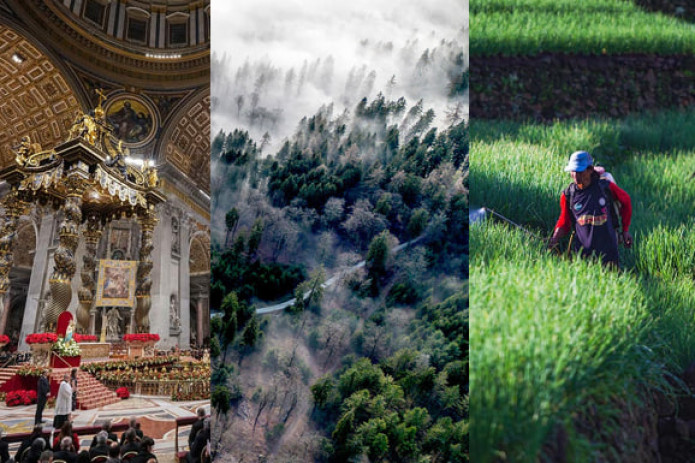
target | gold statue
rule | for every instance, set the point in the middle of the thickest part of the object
(27, 152)
(24, 151)
(152, 177)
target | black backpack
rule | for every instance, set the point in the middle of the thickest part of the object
(612, 205)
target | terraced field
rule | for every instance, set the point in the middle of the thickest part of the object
(569, 360)
(529, 27)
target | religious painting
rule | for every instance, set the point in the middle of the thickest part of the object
(119, 240)
(116, 286)
(133, 120)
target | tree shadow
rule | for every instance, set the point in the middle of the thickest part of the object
(683, 10)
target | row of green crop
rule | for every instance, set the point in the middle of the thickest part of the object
(527, 27)
(646, 155)
(553, 338)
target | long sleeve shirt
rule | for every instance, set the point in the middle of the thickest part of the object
(564, 222)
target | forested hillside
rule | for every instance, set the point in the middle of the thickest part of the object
(371, 358)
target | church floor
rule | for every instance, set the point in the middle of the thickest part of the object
(156, 416)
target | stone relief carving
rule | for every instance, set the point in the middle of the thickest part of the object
(174, 317)
(175, 236)
(113, 319)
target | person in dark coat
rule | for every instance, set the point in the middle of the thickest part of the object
(114, 453)
(105, 428)
(42, 393)
(197, 426)
(201, 441)
(146, 452)
(130, 444)
(26, 443)
(4, 448)
(73, 385)
(135, 426)
(35, 451)
(101, 448)
(67, 451)
(83, 457)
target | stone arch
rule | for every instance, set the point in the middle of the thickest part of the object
(199, 268)
(199, 254)
(186, 141)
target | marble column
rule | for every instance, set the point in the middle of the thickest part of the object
(44, 241)
(200, 313)
(184, 340)
(92, 321)
(148, 221)
(162, 283)
(5, 310)
(92, 234)
(64, 257)
(102, 338)
(14, 208)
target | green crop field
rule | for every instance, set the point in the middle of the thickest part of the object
(529, 27)
(560, 343)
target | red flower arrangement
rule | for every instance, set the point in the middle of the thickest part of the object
(141, 337)
(41, 338)
(84, 337)
(123, 392)
(4, 339)
(22, 397)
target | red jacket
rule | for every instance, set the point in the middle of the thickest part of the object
(619, 195)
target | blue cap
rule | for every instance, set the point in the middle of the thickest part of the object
(579, 161)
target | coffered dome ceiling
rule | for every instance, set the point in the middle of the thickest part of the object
(151, 56)
(35, 99)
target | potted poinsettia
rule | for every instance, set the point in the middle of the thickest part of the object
(40, 345)
(4, 340)
(67, 354)
(84, 337)
(138, 342)
(123, 392)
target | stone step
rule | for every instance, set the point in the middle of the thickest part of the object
(8, 373)
(91, 393)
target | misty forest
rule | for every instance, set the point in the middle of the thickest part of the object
(340, 262)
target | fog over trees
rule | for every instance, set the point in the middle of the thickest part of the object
(324, 163)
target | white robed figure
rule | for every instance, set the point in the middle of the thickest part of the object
(63, 403)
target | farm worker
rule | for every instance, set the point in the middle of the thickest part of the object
(586, 206)
(42, 392)
(63, 403)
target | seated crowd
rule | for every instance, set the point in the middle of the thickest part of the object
(133, 446)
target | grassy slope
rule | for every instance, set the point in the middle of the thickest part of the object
(528, 27)
(552, 337)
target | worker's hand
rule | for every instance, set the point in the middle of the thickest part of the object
(627, 239)
(552, 242)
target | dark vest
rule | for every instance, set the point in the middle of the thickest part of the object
(589, 209)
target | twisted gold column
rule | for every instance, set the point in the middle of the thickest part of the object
(148, 221)
(92, 234)
(64, 256)
(14, 208)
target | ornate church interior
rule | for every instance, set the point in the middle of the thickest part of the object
(104, 157)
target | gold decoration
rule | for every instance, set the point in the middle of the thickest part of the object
(92, 234)
(79, 180)
(14, 207)
(144, 284)
(64, 256)
(30, 154)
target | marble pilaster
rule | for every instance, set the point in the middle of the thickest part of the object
(44, 241)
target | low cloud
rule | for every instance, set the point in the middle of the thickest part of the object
(276, 62)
